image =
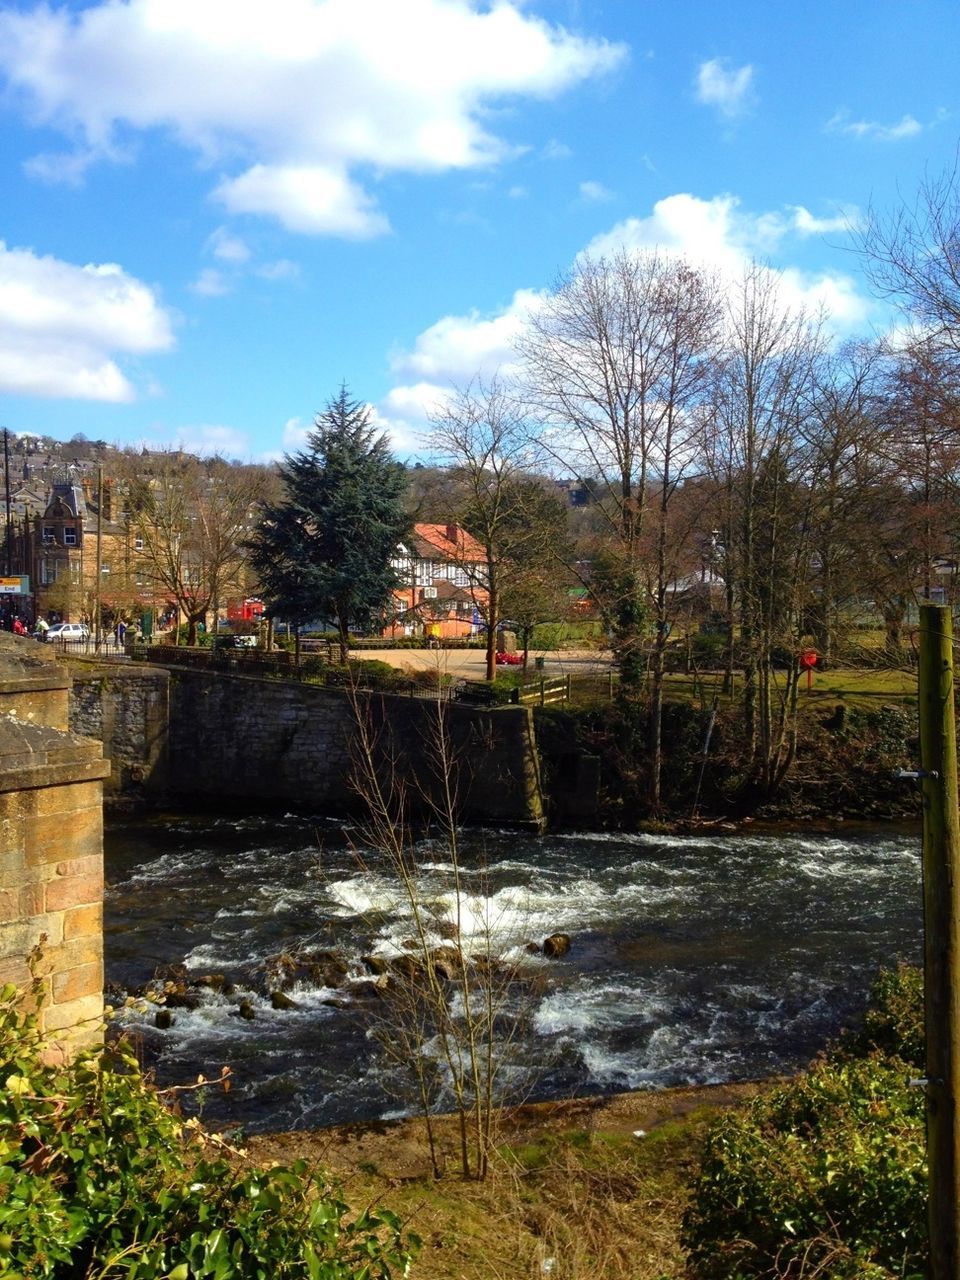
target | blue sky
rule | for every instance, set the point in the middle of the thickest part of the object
(215, 211)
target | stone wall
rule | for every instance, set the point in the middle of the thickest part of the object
(51, 842)
(128, 709)
(278, 741)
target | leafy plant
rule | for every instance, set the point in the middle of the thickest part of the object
(826, 1176)
(98, 1178)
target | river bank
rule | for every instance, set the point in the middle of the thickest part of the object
(583, 1187)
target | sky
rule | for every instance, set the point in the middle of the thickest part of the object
(216, 212)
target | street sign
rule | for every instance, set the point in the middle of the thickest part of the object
(19, 586)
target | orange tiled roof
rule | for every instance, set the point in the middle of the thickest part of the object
(464, 547)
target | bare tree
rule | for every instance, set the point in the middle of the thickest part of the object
(913, 255)
(450, 1007)
(613, 361)
(482, 435)
(194, 517)
(762, 397)
(845, 438)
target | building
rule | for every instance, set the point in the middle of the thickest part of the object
(59, 550)
(444, 592)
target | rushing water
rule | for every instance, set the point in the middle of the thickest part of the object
(694, 959)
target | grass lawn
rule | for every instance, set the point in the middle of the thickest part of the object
(855, 687)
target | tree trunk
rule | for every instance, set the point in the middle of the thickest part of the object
(493, 606)
(656, 720)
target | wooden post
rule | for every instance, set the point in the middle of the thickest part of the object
(941, 948)
(98, 622)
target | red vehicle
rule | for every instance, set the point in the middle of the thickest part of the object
(505, 659)
(249, 610)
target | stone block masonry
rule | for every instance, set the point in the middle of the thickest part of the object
(51, 843)
(278, 741)
(127, 709)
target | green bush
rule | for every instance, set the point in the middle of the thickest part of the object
(893, 1023)
(99, 1179)
(826, 1176)
(369, 673)
(708, 649)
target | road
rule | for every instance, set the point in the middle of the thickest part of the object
(470, 664)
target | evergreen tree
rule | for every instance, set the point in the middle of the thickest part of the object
(325, 550)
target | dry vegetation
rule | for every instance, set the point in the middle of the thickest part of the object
(573, 1193)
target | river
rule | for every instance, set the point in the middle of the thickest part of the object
(694, 959)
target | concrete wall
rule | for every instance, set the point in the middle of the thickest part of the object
(51, 842)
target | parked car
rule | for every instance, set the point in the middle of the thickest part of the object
(509, 659)
(73, 632)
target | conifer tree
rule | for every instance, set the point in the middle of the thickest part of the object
(325, 551)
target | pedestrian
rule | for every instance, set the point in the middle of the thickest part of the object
(18, 628)
(121, 632)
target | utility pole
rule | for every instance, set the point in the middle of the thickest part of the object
(98, 622)
(6, 488)
(941, 947)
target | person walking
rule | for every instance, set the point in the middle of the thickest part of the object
(121, 633)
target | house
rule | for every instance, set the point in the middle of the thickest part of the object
(444, 574)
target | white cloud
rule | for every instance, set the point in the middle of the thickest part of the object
(305, 198)
(729, 89)
(458, 348)
(298, 93)
(716, 233)
(556, 150)
(907, 127)
(62, 325)
(405, 439)
(807, 224)
(720, 235)
(60, 168)
(295, 432)
(211, 283)
(281, 269)
(226, 246)
(594, 192)
(453, 352)
(209, 439)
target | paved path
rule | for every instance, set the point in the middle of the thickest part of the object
(470, 664)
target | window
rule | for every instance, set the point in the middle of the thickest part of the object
(49, 533)
(69, 535)
(462, 578)
(104, 569)
(48, 571)
(138, 544)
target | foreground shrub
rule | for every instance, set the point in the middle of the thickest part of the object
(826, 1176)
(893, 1023)
(99, 1179)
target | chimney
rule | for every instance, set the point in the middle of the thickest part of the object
(453, 534)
